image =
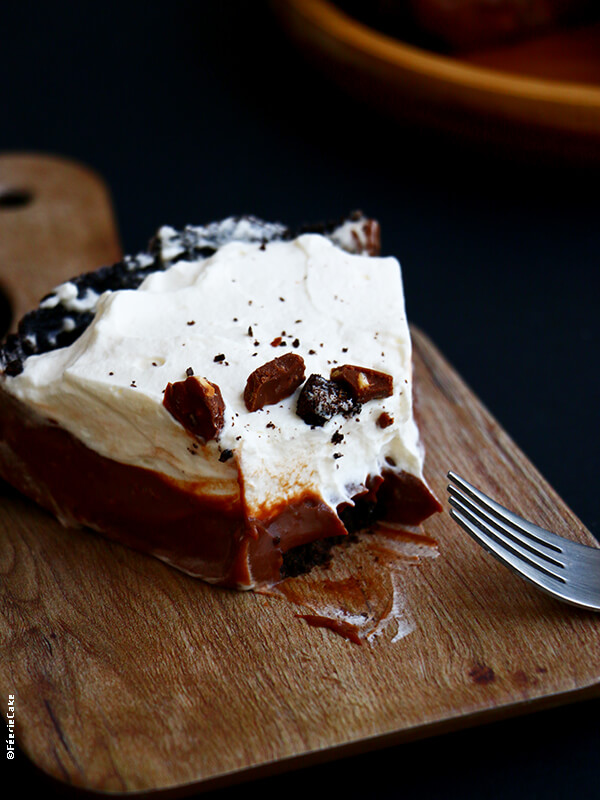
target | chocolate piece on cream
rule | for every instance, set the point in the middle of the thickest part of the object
(274, 381)
(363, 384)
(198, 405)
(384, 420)
(320, 400)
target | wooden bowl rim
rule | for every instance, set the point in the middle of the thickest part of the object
(328, 18)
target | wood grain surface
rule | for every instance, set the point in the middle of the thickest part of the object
(129, 676)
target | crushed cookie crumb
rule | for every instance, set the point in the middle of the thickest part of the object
(226, 455)
(192, 322)
(296, 343)
(219, 358)
(338, 455)
(337, 437)
(189, 372)
(250, 332)
(320, 400)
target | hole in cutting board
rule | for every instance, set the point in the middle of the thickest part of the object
(11, 198)
(6, 314)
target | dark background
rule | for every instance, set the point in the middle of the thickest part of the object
(195, 111)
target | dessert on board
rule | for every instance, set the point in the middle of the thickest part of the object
(226, 400)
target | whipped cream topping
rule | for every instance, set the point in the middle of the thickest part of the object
(223, 316)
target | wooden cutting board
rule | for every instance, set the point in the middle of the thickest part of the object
(130, 676)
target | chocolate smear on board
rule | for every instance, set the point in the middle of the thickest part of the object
(362, 590)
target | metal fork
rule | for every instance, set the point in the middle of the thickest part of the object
(567, 570)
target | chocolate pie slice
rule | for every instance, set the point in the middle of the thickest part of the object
(217, 400)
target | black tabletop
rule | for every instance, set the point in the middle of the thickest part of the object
(195, 111)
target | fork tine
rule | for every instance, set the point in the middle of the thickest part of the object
(520, 525)
(567, 570)
(496, 538)
(533, 547)
(513, 562)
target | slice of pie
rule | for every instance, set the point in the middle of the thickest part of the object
(225, 400)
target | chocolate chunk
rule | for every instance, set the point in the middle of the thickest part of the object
(198, 405)
(372, 233)
(384, 420)
(364, 384)
(273, 381)
(320, 400)
(226, 455)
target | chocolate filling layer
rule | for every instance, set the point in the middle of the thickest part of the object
(206, 535)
